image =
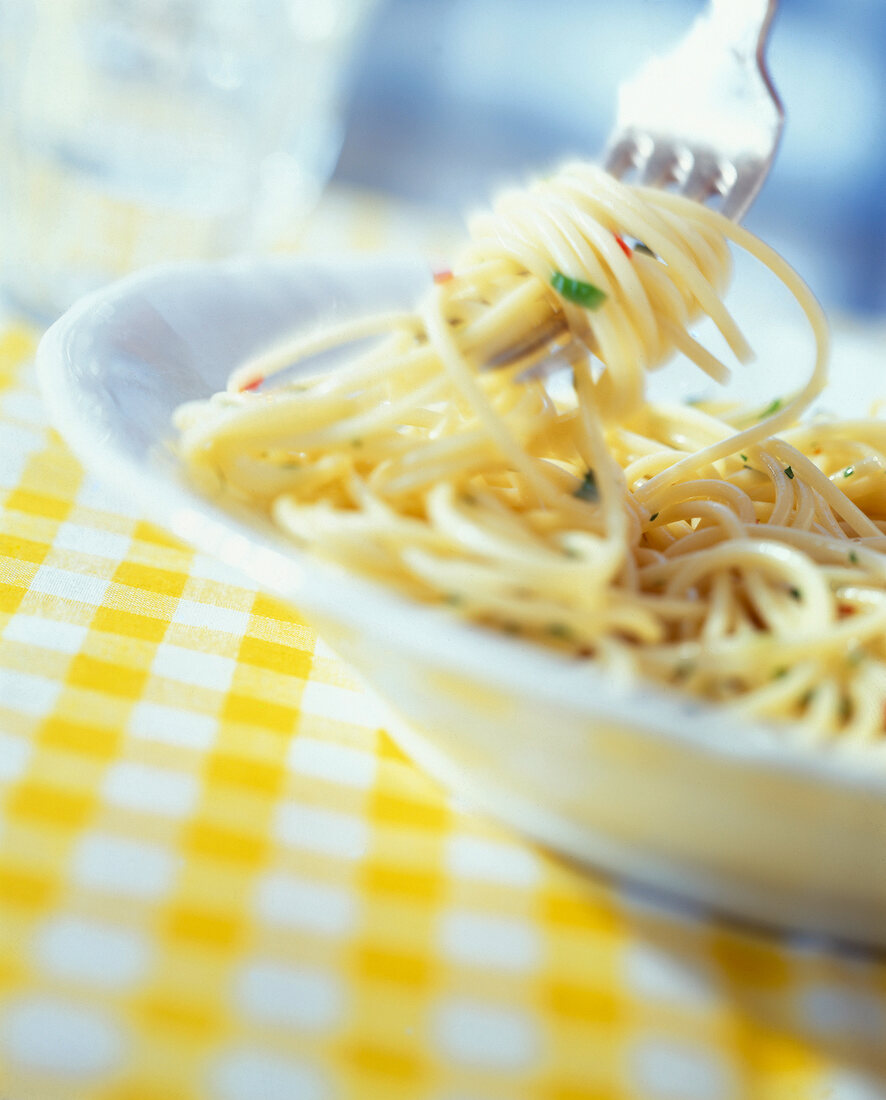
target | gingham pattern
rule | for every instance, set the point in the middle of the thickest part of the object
(220, 878)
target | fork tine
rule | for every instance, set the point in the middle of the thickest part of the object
(620, 157)
(740, 196)
(705, 177)
(703, 115)
(662, 166)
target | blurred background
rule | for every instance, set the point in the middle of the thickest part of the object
(133, 131)
(453, 97)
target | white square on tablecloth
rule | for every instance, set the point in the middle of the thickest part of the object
(17, 444)
(96, 953)
(15, 752)
(45, 633)
(26, 693)
(341, 704)
(69, 586)
(474, 1033)
(209, 670)
(91, 540)
(328, 832)
(667, 1068)
(210, 616)
(211, 569)
(172, 726)
(94, 493)
(137, 786)
(303, 997)
(24, 405)
(488, 941)
(491, 860)
(65, 1038)
(293, 902)
(328, 760)
(117, 865)
(240, 1072)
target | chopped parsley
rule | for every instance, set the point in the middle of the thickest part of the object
(559, 630)
(789, 471)
(853, 557)
(574, 290)
(645, 249)
(849, 471)
(795, 593)
(653, 517)
(771, 408)
(779, 673)
(744, 458)
(588, 488)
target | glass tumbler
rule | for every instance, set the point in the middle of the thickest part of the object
(139, 131)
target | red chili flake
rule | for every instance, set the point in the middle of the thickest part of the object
(253, 385)
(442, 276)
(844, 610)
(624, 246)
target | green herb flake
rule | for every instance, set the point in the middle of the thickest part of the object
(790, 472)
(653, 517)
(744, 458)
(771, 408)
(853, 557)
(588, 488)
(574, 290)
(645, 249)
(559, 630)
(779, 673)
(849, 471)
(795, 593)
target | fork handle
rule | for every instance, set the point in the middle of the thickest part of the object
(743, 23)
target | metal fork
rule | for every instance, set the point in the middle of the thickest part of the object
(704, 116)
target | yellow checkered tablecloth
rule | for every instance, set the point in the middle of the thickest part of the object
(220, 878)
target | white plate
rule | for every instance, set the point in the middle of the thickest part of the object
(642, 782)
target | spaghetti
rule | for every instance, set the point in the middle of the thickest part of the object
(735, 553)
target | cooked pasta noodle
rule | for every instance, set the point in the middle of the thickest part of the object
(737, 554)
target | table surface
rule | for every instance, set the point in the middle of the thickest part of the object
(219, 877)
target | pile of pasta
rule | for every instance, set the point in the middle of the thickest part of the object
(736, 553)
